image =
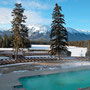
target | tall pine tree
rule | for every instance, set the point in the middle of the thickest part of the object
(58, 36)
(20, 31)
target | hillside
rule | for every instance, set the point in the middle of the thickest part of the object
(42, 32)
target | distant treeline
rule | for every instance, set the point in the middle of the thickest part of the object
(78, 43)
(40, 42)
(7, 41)
(71, 43)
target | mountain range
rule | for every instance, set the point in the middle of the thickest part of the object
(41, 33)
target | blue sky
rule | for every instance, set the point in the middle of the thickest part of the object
(76, 12)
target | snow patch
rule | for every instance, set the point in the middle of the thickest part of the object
(20, 71)
(18, 64)
(40, 47)
(52, 68)
(75, 51)
(3, 58)
(2, 49)
(75, 64)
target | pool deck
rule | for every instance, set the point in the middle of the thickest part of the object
(9, 80)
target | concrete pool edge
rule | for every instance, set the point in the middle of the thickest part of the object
(8, 81)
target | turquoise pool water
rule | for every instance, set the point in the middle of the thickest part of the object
(60, 81)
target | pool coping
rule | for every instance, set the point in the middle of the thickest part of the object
(8, 81)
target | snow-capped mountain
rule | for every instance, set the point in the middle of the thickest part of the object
(45, 28)
(39, 28)
(84, 31)
(73, 31)
(42, 32)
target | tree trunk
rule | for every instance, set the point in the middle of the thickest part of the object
(59, 56)
(23, 52)
(16, 54)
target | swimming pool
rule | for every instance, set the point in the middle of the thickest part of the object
(60, 81)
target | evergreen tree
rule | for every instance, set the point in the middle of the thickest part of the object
(11, 38)
(5, 41)
(58, 36)
(88, 44)
(20, 31)
(1, 42)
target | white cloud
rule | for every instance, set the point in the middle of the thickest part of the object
(18, 1)
(5, 15)
(35, 5)
(35, 18)
(32, 17)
